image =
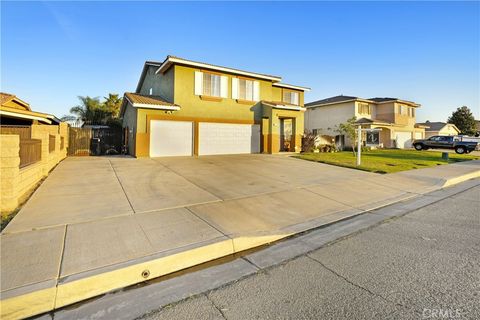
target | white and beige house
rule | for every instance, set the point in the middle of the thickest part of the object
(439, 129)
(395, 119)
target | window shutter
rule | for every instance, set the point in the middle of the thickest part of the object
(198, 83)
(224, 86)
(234, 88)
(256, 91)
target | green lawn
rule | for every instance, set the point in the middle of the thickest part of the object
(386, 161)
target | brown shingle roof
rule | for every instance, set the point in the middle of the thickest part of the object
(340, 98)
(147, 99)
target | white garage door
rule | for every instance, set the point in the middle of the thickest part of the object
(171, 138)
(227, 138)
(404, 140)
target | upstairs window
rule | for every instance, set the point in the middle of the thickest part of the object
(290, 97)
(210, 85)
(364, 108)
(245, 89)
(402, 110)
(411, 112)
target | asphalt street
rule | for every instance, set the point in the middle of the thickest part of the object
(423, 265)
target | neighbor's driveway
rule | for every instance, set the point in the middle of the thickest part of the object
(92, 188)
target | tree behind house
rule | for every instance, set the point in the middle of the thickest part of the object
(93, 111)
(463, 119)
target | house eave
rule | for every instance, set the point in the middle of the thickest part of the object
(290, 86)
(25, 116)
(171, 60)
(151, 106)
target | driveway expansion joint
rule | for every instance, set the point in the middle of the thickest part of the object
(121, 185)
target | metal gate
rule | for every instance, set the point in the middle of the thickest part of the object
(95, 141)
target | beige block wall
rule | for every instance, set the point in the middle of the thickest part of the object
(16, 182)
(9, 171)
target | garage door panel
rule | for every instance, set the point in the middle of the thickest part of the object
(404, 140)
(171, 138)
(227, 138)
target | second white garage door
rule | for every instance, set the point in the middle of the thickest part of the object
(404, 140)
(171, 138)
(227, 138)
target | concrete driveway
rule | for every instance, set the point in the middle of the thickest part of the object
(98, 224)
(93, 188)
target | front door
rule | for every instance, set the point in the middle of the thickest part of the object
(287, 140)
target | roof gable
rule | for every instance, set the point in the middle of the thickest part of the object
(11, 100)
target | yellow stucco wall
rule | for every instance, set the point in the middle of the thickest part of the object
(199, 109)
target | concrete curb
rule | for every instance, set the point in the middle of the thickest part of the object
(71, 290)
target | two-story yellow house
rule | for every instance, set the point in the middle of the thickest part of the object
(394, 117)
(183, 108)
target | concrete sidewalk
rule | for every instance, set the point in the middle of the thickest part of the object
(135, 220)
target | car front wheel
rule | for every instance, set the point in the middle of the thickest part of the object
(460, 150)
(418, 147)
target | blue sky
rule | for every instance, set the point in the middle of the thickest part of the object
(427, 52)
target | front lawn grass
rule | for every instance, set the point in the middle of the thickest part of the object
(386, 161)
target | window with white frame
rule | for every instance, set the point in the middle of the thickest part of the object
(245, 89)
(402, 110)
(211, 84)
(290, 97)
(364, 108)
(411, 112)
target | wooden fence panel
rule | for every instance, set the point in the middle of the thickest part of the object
(51, 143)
(30, 151)
(23, 131)
(79, 142)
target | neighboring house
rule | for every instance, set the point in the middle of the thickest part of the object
(395, 118)
(14, 111)
(477, 126)
(439, 129)
(32, 143)
(183, 108)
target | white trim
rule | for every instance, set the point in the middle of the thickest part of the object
(166, 64)
(285, 106)
(24, 116)
(284, 85)
(152, 106)
(409, 103)
(234, 88)
(339, 102)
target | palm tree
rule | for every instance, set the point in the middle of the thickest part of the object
(90, 110)
(112, 104)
